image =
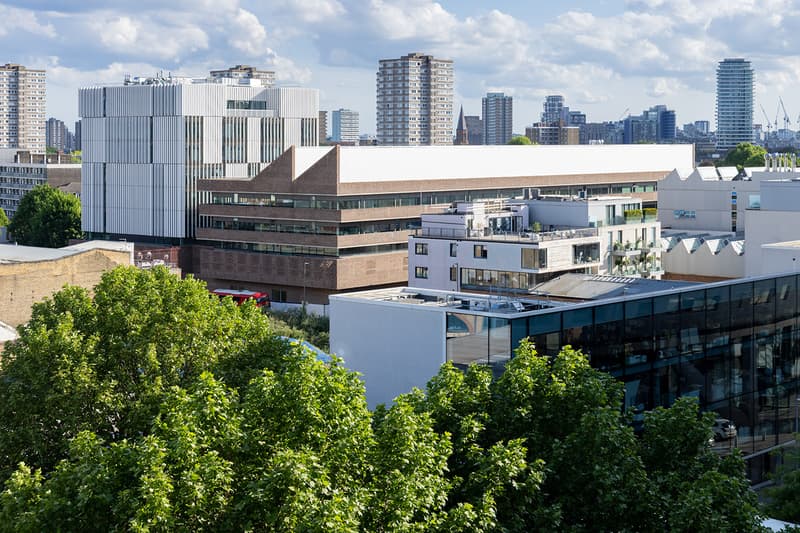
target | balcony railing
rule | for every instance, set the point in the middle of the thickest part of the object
(489, 234)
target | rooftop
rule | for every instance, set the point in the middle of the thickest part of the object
(392, 163)
(591, 287)
(12, 253)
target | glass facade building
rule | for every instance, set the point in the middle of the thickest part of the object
(734, 345)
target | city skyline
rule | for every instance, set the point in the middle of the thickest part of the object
(603, 57)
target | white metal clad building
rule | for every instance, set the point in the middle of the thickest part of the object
(146, 144)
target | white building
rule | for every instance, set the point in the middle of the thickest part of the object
(773, 228)
(735, 89)
(512, 247)
(22, 108)
(707, 198)
(147, 143)
(344, 124)
(415, 101)
(497, 113)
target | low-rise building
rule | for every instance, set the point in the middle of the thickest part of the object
(28, 274)
(733, 345)
(318, 221)
(512, 246)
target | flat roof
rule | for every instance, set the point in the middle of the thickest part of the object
(393, 163)
(12, 253)
(593, 287)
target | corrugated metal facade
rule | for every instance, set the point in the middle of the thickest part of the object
(145, 147)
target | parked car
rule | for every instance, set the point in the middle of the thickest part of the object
(723, 429)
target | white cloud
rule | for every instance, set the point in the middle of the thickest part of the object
(13, 19)
(146, 37)
(248, 35)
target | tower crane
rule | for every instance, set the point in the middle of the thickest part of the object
(623, 114)
(769, 124)
(786, 119)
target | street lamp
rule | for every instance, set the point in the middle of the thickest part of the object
(305, 265)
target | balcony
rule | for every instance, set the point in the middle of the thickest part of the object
(626, 250)
(652, 246)
(506, 236)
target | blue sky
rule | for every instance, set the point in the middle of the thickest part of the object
(605, 57)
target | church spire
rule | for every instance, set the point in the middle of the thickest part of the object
(462, 136)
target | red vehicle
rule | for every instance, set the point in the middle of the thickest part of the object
(261, 298)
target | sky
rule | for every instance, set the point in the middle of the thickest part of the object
(607, 57)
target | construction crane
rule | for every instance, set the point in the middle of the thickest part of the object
(769, 124)
(623, 114)
(786, 119)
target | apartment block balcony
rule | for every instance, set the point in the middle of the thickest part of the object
(509, 236)
(626, 250)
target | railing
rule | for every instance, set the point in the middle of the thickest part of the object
(525, 236)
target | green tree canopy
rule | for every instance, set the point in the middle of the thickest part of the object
(46, 217)
(520, 140)
(3, 218)
(745, 155)
(153, 406)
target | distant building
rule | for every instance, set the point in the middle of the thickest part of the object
(553, 133)
(21, 171)
(553, 109)
(654, 125)
(600, 133)
(735, 89)
(702, 127)
(77, 135)
(345, 126)
(56, 134)
(323, 127)
(22, 108)
(462, 136)
(245, 72)
(474, 129)
(414, 104)
(497, 118)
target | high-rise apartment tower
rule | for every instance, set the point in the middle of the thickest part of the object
(497, 118)
(735, 81)
(414, 104)
(22, 108)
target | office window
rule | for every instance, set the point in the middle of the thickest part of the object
(453, 249)
(421, 248)
(453, 273)
(421, 272)
(534, 258)
(278, 295)
(479, 251)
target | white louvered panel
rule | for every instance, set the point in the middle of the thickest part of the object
(174, 200)
(92, 197)
(253, 140)
(166, 100)
(129, 203)
(90, 102)
(93, 137)
(129, 139)
(235, 170)
(168, 140)
(129, 101)
(205, 99)
(291, 132)
(212, 140)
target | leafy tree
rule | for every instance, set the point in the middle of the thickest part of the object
(46, 217)
(520, 140)
(783, 501)
(154, 406)
(3, 218)
(745, 155)
(586, 470)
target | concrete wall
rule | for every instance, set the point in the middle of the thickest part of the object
(767, 227)
(23, 284)
(376, 340)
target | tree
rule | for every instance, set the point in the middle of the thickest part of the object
(586, 469)
(154, 406)
(520, 140)
(783, 501)
(46, 217)
(745, 155)
(3, 218)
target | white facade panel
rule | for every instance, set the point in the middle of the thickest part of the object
(253, 140)
(174, 201)
(235, 170)
(212, 140)
(90, 102)
(166, 100)
(93, 139)
(129, 199)
(168, 140)
(128, 139)
(292, 132)
(204, 99)
(129, 101)
(92, 199)
(390, 361)
(293, 102)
